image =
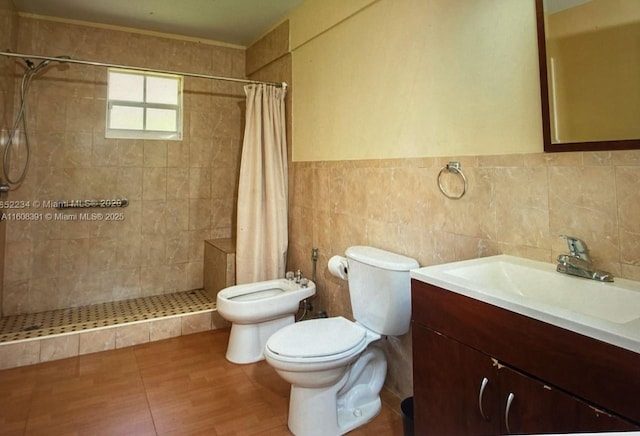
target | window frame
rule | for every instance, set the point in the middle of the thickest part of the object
(144, 133)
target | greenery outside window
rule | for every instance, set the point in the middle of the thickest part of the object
(143, 105)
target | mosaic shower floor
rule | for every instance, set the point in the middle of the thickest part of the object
(33, 325)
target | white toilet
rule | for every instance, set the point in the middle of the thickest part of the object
(335, 370)
(256, 311)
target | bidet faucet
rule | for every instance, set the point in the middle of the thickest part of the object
(289, 275)
(297, 277)
(578, 263)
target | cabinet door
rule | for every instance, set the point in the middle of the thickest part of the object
(529, 406)
(447, 382)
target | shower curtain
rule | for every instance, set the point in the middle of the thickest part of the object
(261, 239)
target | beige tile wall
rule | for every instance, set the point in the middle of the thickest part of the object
(515, 204)
(8, 40)
(181, 192)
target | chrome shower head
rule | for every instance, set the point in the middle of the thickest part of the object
(41, 65)
(33, 68)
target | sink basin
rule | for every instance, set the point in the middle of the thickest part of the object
(536, 289)
(543, 284)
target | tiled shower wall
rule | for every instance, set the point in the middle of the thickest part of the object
(8, 38)
(515, 204)
(181, 192)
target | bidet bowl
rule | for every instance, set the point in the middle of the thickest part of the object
(262, 301)
(256, 311)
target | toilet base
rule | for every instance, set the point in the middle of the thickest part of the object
(348, 404)
(247, 341)
(313, 412)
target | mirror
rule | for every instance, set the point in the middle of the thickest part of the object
(589, 54)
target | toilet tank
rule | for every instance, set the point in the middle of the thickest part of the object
(380, 289)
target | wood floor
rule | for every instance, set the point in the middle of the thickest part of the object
(179, 386)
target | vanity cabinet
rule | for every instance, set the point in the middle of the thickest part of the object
(480, 369)
(536, 407)
(447, 378)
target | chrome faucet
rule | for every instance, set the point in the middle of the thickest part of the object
(578, 263)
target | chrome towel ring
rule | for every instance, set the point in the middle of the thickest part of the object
(452, 167)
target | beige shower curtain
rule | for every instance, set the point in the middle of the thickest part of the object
(261, 240)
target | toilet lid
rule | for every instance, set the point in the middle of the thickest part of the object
(316, 338)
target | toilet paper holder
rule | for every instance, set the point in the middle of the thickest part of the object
(339, 267)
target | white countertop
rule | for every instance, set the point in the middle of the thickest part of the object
(609, 312)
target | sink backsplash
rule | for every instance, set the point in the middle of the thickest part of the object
(515, 204)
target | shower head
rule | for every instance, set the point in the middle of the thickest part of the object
(40, 66)
(33, 68)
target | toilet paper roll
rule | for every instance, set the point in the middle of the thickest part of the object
(338, 267)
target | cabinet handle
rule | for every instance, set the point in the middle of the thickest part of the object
(483, 385)
(510, 399)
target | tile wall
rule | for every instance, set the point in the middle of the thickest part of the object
(515, 204)
(8, 40)
(181, 192)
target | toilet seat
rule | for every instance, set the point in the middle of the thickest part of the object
(318, 340)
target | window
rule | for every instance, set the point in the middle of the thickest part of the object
(143, 105)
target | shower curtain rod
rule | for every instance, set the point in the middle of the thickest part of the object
(149, 70)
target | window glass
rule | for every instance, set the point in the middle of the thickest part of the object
(163, 120)
(127, 117)
(162, 90)
(143, 105)
(126, 87)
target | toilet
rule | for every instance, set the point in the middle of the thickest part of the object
(335, 368)
(256, 311)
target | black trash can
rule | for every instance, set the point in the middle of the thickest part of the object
(407, 416)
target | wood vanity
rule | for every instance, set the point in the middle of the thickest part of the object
(481, 369)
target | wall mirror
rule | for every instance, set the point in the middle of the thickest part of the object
(589, 53)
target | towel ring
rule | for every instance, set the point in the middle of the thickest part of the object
(452, 167)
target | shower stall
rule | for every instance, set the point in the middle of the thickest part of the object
(65, 275)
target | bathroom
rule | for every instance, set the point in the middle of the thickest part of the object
(445, 81)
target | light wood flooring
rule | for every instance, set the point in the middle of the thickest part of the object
(179, 386)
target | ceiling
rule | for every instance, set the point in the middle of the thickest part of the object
(238, 22)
